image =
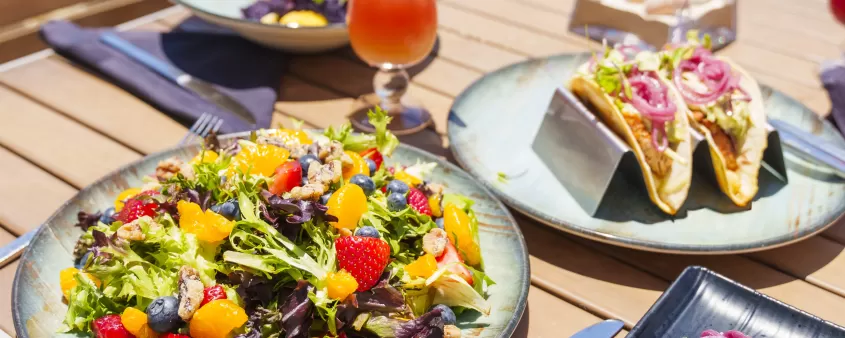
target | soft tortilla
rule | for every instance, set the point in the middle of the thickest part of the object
(670, 192)
(741, 185)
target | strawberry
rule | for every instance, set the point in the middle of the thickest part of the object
(449, 255)
(110, 326)
(213, 293)
(363, 257)
(374, 155)
(136, 208)
(418, 201)
(175, 335)
(287, 176)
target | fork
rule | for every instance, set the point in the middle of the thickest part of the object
(203, 126)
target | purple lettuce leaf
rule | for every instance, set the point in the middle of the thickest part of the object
(429, 325)
(255, 291)
(380, 298)
(298, 311)
(263, 7)
(85, 220)
(287, 214)
(261, 319)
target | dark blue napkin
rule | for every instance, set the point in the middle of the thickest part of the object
(833, 79)
(249, 73)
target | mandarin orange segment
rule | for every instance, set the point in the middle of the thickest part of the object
(288, 135)
(340, 284)
(206, 156)
(135, 321)
(67, 280)
(434, 204)
(217, 319)
(124, 195)
(424, 266)
(348, 204)
(208, 226)
(358, 166)
(258, 159)
(410, 180)
(458, 227)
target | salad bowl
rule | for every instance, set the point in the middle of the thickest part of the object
(37, 296)
(291, 39)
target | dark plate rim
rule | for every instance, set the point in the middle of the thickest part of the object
(633, 243)
(253, 23)
(507, 331)
(697, 270)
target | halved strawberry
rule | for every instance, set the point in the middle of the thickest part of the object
(374, 155)
(287, 176)
(449, 255)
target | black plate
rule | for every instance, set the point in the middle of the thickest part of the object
(701, 299)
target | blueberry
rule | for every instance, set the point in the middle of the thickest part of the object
(305, 162)
(163, 314)
(396, 202)
(83, 260)
(108, 216)
(446, 313)
(229, 209)
(398, 187)
(372, 165)
(325, 198)
(367, 231)
(364, 182)
(439, 222)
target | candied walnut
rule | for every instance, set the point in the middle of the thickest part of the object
(325, 174)
(131, 231)
(190, 292)
(434, 242)
(168, 168)
(310, 191)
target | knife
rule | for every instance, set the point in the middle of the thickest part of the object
(200, 88)
(811, 147)
(605, 329)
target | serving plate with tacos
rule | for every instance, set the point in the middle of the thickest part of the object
(658, 104)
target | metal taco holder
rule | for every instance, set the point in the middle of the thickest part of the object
(588, 158)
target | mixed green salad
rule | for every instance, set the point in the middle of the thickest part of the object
(285, 234)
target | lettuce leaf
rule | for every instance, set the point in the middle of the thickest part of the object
(86, 303)
(382, 139)
(452, 290)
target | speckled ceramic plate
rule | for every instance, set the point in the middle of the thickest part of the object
(37, 304)
(494, 122)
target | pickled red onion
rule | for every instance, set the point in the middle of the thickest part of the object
(625, 49)
(714, 73)
(651, 98)
(726, 334)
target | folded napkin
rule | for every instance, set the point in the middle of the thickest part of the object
(249, 73)
(833, 79)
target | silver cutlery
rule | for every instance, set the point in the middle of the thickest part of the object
(604, 329)
(811, 147)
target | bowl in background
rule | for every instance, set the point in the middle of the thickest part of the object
(299, 40)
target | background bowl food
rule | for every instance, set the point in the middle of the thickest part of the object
(227, 13)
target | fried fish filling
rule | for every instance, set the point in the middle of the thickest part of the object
(723, 141)
(659, 162)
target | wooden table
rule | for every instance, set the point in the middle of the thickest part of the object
(61, 128)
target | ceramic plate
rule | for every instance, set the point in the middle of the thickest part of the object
(493, 124)
(37, 305)
(300, 40)
(701, 299)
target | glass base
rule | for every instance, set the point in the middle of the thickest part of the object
(407, 119)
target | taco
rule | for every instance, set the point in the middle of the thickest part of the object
(629, 95)
(726, 106)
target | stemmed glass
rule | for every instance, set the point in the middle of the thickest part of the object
(393, 35)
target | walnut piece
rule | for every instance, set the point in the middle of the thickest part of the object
(131, 231)
(168, 168)
(310, 191)
(190, 292)
(434, 242)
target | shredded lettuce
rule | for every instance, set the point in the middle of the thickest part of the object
(383, 139)
(452, 290)
(86, 303)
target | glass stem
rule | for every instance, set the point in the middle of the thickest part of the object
(390, 85)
